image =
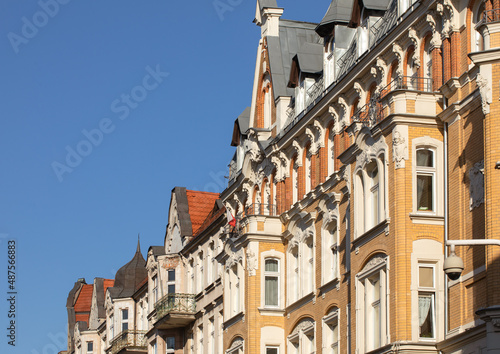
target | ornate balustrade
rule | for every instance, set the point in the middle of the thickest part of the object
(129, 339)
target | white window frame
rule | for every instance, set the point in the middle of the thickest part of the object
(272, 347)
(427, 252)
(431, 292)
(200, 279)
(171, 282)
(364, 190)
(91, 343)
(437, 171)
(154, 280)
(330, 340)
(234, 283)
(272, 274)
(301, 274)
(211, 336)
(199, 339)
(124, 321)
(329, 248)
(301, 342)
(378, 266)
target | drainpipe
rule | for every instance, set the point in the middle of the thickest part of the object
(446, 295)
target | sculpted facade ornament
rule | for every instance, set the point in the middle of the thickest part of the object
(436, 41)
(344, 117)
(297, 149)
(303, 325)
(485, 92)
(238, 342)
(346, 175)
(252, 147)
(476, 187)
(400, 146)
(358, 87)
(379, 71)
(375, 261)
(398, 51)
(251, 262)
(412, 33)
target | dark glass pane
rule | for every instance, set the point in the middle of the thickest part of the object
(125, 314)
(425, 158)
(271, 265)
(424, 192)
(171, 275)
(171, 288)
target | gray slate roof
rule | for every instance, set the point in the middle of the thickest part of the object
(282, 49)
(376, 4)
(244, 120)
(129, 276)
(310, 58)
(267, 4)
(339, 11)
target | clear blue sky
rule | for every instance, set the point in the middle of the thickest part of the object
(74, 80)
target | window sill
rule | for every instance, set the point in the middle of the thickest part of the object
(381, 227)
(300, 302)
(235, 319)
(271, 311)
(426, 218)
(330, 285)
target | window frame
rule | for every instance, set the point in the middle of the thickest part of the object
(124, 321)
(91, 343)
(436, 146)
(377, 266)
(272, 274)
(331, 340)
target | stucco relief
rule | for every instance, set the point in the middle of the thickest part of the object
(400, 146)
(476, 187)
(412, 33)
(485, 92)
(303, 325)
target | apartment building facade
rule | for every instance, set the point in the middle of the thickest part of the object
(367, 152)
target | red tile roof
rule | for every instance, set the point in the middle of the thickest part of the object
(84, 300)
(108, 283)
(200, 205)
(82, 317)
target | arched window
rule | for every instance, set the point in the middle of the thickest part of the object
(301, 264)
(271, 282)
(477, 35)
(329, 63)
(307, 170)
(411, 70)
(371, 294)
(369, 192)
(329, 254)
(302, 338)
(331, 332)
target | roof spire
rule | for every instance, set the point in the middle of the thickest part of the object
(138, 243)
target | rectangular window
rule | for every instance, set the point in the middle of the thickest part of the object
(155, 289)
(426, 301)
(330, 333)
(171, 275)
(90, 347)
(271, 286)
(170, 344)
(272, 350)
(426, 171)
(124, 320)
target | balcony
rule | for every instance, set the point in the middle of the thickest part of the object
(129, 341)
(492, 16)
(175, 310)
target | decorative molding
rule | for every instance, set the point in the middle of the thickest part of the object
(358, 87)
(251, 262)
(412, 33)
(476, 187)
(297, 149)
(485, 92)
(398, 51)
(375, 261)
(305, 324)
(346, 176)
(400, 146)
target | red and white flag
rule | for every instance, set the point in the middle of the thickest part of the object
(230, 218)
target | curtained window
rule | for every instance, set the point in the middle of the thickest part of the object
(271, 274)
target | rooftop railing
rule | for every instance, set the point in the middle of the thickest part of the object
(184, 303)
(129, 339)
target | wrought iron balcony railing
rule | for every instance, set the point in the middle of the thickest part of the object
(410, 83)
(129, 339)
(261, 209)
(492, 15)
(183, 303)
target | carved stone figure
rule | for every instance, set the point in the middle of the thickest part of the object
(485, 92)
(476, 187)
(399, 149)
(251, 262)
